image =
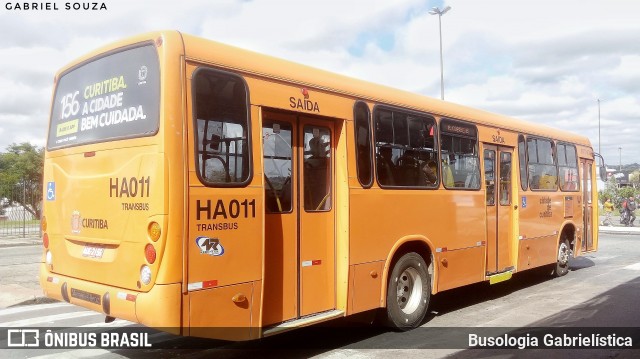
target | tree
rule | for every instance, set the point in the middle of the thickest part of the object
(634, 178)
(610, 190)
(21, 177)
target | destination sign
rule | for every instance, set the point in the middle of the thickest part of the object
(113, 97)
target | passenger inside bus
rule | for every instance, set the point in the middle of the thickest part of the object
(317, 146)
(317, 171)
(431, 172)
(447, 175)
(385, 166)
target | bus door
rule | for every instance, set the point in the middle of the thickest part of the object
(499, 200)
(587, 205)
(299, 220)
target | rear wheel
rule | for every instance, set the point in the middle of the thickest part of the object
(562, 262)
(408, 292)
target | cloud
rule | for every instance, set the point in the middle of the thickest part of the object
(544, 61)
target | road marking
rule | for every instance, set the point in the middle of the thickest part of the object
(633, 267)
(32, 308)
(76, 353)
(115, 323)
(46, 319)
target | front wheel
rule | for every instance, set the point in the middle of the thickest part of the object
(562, 263)
(408, 292)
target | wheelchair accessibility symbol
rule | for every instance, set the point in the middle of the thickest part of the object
(51, 191)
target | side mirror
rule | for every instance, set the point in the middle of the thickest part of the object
(602, 168)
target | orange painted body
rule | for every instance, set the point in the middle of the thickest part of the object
(232, 261)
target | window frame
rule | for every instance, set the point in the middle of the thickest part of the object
(407, 113)
(555, 163)
(222, 73)
(443, 132)
(524, 185)
(370, 143)
(302, 170)
(493, 175)
(292, 187)
(577, 167)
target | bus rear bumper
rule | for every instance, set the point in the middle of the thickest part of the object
(159, 308)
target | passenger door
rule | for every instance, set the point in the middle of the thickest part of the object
(498, 164)
(299, 220)
(587, 242)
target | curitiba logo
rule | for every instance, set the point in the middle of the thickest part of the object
(210, 246)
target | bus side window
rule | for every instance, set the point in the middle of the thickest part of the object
(460, 158)
(317, 169)
(542, 166)
(568, 167)
(522, 160)
(363, 144)
(221, 121)
(405, 149)
(278, 159)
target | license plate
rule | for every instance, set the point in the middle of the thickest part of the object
(86, 296)
(92, 252)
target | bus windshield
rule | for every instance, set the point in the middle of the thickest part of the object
(113, 97)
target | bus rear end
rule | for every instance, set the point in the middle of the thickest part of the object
(105, 222)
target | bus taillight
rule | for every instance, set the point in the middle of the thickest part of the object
(45, 240)
(43, 224)
(150, 253)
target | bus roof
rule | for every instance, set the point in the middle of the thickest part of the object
(245, 61)
(248, 62)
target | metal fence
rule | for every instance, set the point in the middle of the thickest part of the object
(20, 206)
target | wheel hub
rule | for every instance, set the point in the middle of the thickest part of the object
(563, 254)
(409, 290)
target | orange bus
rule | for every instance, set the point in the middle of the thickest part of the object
(197, 187)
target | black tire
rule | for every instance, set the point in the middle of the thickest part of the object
(562, 261)
(408, 292)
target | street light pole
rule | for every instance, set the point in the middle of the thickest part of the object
(599, 148)
(620, 153)
(437, 11)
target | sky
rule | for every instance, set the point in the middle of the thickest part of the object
(542, 61)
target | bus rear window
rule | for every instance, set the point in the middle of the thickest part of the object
(113, 97)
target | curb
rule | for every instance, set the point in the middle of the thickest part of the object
(20, 244)
(626, 233)
(619, 230)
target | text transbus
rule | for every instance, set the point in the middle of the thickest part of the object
(197, 187)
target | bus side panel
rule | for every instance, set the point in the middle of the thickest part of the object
(365, 287)
(536, 252)
(541, 214)
(449, 219)
(219, 312)
(460, 267)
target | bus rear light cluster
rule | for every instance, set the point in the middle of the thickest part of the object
(150, 253)
(48, 256)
